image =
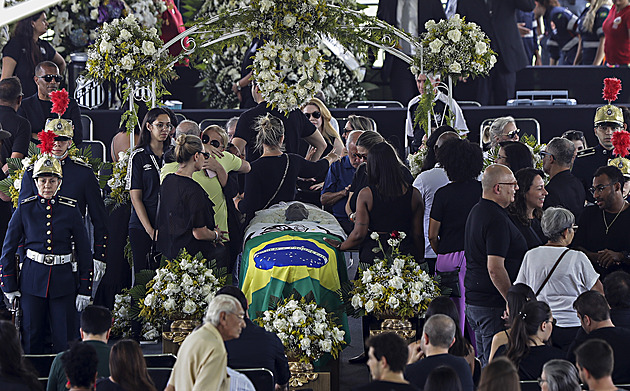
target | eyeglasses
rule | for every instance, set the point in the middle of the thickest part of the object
(206, 139)
(541, 381)
(163, 125)
(315, 114)
(599, 188)
(49, 78)
(360, 156)
(513, 184)
(553, 321)
(240, 316)
(206, 155)
(543, 154)
(512, 135)
(573, 134)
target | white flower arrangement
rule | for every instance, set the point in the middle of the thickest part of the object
(416, 160)
(288, 76)
(125, 49)
(394, 286)
(121, 327)
(455, 47)
(119, 195)
(180, 290)
(306, 330)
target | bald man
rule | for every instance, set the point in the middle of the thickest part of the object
(494, 250)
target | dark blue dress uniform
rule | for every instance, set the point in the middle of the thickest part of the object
(79, 184)
(48, 286)
(590, 39)
(563, 39)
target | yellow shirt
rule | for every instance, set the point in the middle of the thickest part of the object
(211, 186)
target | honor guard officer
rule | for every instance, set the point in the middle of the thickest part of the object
(48, 224)
(81, 185)
(608, 119)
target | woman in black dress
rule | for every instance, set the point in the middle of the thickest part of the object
(185, 216)
(273, 176)
(25, 50)
(389, 203)
(526, 210)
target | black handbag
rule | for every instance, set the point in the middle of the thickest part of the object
(450, 280)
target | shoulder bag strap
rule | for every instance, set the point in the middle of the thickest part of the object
(286, 169)
(551, 272)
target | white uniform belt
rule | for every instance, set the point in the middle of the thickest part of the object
(48, 259)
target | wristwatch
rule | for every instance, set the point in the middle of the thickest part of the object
(238, 86)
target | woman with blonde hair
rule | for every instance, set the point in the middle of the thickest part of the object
(319, 115)
(274, 175)
(591, 45)
(185, 217)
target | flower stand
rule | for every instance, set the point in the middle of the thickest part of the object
(179, 330)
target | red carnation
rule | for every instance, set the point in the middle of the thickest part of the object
(621, 143)
(47, 139)
(395, 235)
(612, 86)
(60, 101)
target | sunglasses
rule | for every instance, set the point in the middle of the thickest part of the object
(49, 78)
(512, 135)
(315, 114)
(360, 155)
(206, 139)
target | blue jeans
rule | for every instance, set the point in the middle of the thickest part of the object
(485, 322)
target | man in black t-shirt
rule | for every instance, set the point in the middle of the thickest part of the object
(594, 363)
(604, 229)
(37, 108)
(494, 249)
(296, 127)
(592, 309)
(563, 189)
(438, 335)
(387, 356)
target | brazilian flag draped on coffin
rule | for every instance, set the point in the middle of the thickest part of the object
(276, 263)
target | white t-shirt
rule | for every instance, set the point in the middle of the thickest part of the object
(573, 276)
(427, 183)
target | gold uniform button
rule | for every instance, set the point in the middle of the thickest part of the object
(48, 207)
(47, 240)
(47, 232)
(48, 216)
(49, 248)
(48, 224)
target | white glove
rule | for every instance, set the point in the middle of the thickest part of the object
(12, 295)
(99, 270)
(82, 302)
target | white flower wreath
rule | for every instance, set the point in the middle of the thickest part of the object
(288, 76)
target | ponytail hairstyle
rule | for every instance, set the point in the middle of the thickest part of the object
(518, 295)
(526, 324)
(589, 18)
(270, 131)
(186, 147)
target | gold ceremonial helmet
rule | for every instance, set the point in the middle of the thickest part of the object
(61, 127)
(47, 165)
(609, 113)
(622, 164)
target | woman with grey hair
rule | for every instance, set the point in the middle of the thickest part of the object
(559, 375)
(558, 274)
(501, 129)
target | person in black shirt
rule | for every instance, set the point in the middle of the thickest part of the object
(438, 335)
(388, 355)
(526, 210)
(10, 100)
(494, 249)
(595, 363)
(603, 230)
(463, 162)
(37, 108)
(273, 176)
(25, 50)
(617, 291)
(296, 126)
(527, 345)
(563, 188)
(592, 309)
(185, 218)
